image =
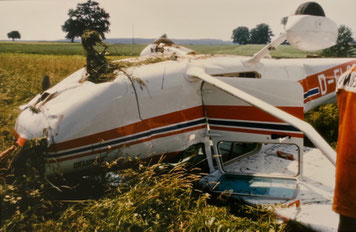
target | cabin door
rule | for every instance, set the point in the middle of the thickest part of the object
(256, 154)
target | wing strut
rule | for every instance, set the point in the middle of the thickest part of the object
(309, 131)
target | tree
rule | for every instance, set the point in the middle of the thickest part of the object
(261, 34)
(87, 15)
(14, 35)
(343, 46)
(240, 35)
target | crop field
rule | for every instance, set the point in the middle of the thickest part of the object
(145, 202)
(47, 48)
(20, 80)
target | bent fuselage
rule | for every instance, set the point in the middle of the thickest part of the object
(155, 109)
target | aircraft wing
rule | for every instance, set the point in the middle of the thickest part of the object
(307, 129)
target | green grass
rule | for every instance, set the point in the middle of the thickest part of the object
(155, 198)
(51, 48)
(134, 50)
(285, 51)
(20, 81)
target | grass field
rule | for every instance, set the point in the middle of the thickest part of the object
(148, 202)
(47, 48)
(20, 80)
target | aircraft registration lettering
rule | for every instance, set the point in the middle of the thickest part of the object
(338, 72)
(83, 163)
(323, 83)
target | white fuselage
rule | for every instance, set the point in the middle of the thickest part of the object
(156, 108)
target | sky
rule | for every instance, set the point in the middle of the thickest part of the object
(179, 19)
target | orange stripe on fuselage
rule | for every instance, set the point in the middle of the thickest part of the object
(147, 124)
(249, 113)
(56, 160)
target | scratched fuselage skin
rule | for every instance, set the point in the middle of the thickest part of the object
(156, 109)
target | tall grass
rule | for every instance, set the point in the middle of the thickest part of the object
(20, 81)
(154, 198)
(46, 48)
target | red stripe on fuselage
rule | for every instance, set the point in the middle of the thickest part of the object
(249, 113)
(141, 126)
(56, 160)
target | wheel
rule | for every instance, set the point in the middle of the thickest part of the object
(310, 8)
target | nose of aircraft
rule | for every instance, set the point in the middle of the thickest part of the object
(30, 124)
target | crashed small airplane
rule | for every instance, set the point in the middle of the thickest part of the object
(246, 112)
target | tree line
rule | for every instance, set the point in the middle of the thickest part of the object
(261, 34)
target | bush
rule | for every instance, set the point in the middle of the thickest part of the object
(325, 119)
